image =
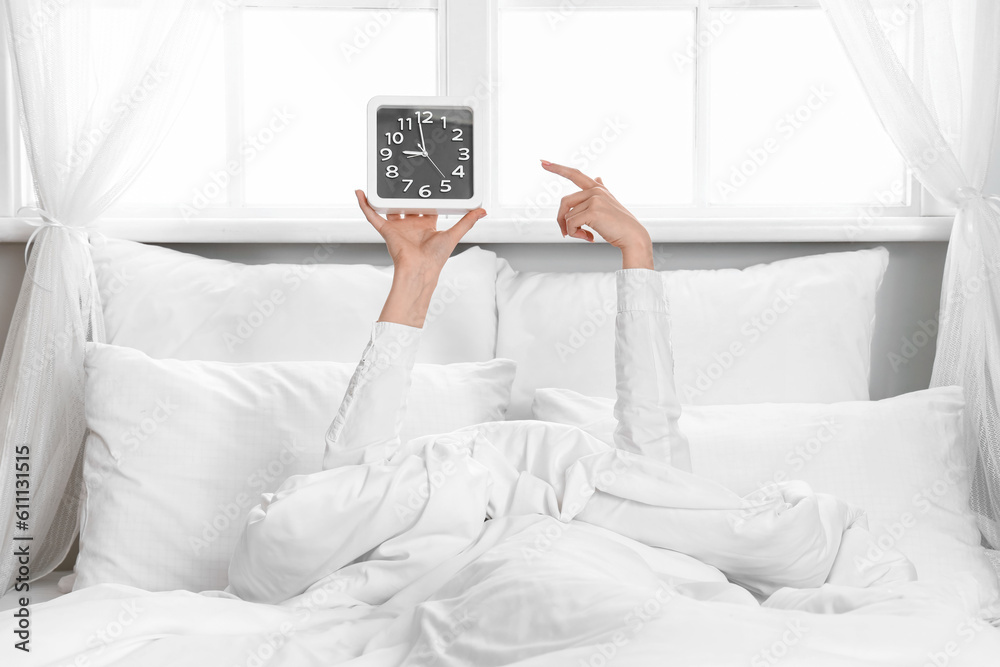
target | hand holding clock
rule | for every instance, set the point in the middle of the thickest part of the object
(598, 209)
(419, 251)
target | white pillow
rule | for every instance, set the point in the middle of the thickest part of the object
(796, 330)
(174, 305)
(901, 459)
(178, 452)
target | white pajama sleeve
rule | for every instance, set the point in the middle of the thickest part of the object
(647, 408)
(366, 428)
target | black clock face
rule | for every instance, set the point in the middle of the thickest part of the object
(424, 153)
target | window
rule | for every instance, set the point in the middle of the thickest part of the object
(788, 121)
(693, 109)
(718, 117)
(278, 115)
(596, 90)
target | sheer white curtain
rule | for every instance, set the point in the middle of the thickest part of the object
(943, 121)
(99, 83)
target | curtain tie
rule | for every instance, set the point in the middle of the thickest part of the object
(968, 193)
(46, 220)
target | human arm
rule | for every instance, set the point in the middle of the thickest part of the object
(647, 407)
(367, 425)
(594, 206)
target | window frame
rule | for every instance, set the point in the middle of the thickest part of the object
(468, 49)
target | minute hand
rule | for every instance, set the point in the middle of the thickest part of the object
(432, 162)
(423, 145)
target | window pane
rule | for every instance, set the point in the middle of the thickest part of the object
(309, 74)
(600, 90)
(789, 122)
(180, 173)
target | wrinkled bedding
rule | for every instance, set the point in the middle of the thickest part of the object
(530, 590)
(529, 543)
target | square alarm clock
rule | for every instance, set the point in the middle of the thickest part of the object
(423, 155)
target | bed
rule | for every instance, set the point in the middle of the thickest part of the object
(214, 386)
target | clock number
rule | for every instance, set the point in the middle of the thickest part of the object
(386, 153)
(445, 185)
(392, 171)
(428, 119)
(409, 182)
(458, 134)
(409, 123)
(425, 191)
(463, 153)
(393, 137)
(444, 122)
(459, 170)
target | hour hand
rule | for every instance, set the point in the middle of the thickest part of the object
(413, 153)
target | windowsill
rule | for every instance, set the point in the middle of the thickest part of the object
(493, 230)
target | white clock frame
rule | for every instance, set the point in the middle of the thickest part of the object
(429, 204)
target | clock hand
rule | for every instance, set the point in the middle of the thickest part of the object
(423, 142)
(432, 162)
(423, 146)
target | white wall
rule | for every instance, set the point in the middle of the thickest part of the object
(909, 294)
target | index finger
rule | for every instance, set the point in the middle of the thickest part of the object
(579, 179)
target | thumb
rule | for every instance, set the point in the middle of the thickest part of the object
(461, 228)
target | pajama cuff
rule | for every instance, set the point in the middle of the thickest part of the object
(392, 344)
(640, 289)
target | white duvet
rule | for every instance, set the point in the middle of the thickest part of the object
(588, 554)
(530, 590)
